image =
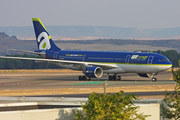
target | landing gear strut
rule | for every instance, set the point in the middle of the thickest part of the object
(80, 78)
(114, 77)
(153, 78)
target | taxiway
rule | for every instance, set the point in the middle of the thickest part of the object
(56, 80)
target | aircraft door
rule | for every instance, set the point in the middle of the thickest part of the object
(150, 59)
(83, 57)
(55, 55)
(127, 58)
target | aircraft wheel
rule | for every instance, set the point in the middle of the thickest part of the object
(119, 77)
(114, 77)
(154, 79)
(84, 78)
(110, 77)
(80, 78)
(89, 79)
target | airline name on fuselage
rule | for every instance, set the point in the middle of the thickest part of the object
(73, 55)
(139, 57)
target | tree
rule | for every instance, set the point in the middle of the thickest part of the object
(2, 63)
(173, 56)
(176, 75)
(170, 107)
(25, 64)
(18, 64)
(107, 107)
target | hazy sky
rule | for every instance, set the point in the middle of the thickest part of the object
(120, 13)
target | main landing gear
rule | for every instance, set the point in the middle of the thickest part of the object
(114, 77)
(81, 78)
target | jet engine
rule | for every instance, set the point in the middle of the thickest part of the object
(93, 72)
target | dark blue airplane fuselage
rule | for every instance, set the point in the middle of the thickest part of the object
(108, 57)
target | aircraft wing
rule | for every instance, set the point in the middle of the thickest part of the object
(79, 64)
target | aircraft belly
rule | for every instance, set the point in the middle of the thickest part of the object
(115, 70)
(126, 68)
(134, 68)
(144, 68)
(156, 68)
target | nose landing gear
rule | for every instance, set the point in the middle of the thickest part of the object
(154, 79)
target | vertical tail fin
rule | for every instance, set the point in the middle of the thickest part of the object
(43, 38)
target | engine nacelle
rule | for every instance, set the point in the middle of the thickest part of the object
(93, 72)
(147, 74)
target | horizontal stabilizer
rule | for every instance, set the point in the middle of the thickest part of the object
(38, 53)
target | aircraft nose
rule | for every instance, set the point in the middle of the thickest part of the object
(170, 64)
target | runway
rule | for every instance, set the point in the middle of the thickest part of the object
(56, 80)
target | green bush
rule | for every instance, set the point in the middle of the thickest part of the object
(170, 107)
(110, 107)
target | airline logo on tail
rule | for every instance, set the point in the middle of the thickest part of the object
(43, 41)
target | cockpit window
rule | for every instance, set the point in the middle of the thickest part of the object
(163, 60)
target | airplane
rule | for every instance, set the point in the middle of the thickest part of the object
(94, 64)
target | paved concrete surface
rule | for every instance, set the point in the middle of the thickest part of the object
(23, 81)
(60, 83)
